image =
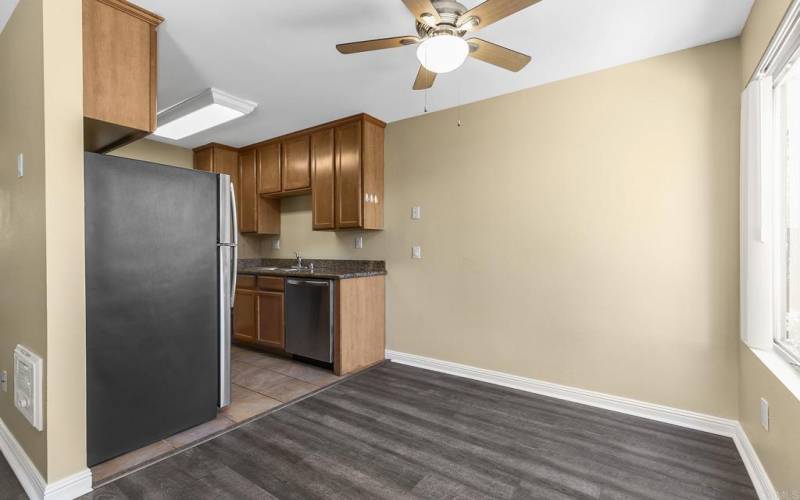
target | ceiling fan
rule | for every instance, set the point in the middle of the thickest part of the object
(441, 28)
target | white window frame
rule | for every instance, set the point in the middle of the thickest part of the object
(778, 159)
(763, 250)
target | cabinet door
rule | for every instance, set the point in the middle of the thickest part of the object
(348, 175)
(245, 316)
(322, 185)
(204, 160)
(270, 319)
(226, 161)
(269, 169)
(296, 164)
(119, 64)
(248, 197)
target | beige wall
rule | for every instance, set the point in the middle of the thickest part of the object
(778, 448)
(764, 19)
(66, 304)
(23, 294)
(157, 152)
(41, 225)
(589, 220)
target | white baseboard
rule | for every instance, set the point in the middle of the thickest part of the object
(31, 479)
(666, 414)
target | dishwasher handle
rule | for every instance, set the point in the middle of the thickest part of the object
(308, 282)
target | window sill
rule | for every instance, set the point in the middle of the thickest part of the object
(780, 367)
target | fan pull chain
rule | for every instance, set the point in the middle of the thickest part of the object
(425, 107)
(458, 101)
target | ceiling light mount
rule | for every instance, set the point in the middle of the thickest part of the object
(206, 110)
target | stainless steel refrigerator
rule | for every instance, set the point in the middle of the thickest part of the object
(160, 277)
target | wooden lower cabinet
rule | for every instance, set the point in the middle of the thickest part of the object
(245, 316)
(270, 319)
(359, 324)
(258, 312)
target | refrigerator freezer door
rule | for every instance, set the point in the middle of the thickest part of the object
(152, 302)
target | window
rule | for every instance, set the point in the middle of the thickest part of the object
(786, 211)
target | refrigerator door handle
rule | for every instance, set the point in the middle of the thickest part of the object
(235, 231)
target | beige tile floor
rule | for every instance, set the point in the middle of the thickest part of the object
(261, 382)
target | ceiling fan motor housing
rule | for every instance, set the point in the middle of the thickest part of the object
(449, 13)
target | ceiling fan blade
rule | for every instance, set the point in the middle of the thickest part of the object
(497, 55)
(490, 12)
(424, 79)
(424, 11)
(382, 43)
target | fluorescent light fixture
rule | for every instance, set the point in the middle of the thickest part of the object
(206, 110)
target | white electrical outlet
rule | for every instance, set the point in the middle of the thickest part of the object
(359, 242)
(416, 213)
(765, 414)
(416, 252)
(28, 370)
(20, 165)
(4, 381)
(276, 244)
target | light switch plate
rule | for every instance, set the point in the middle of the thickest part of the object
(416, 252)
(276, 244)
(416, 213)
(359, 242)
(4, 381)
(28, 370)
(20, 165)
(765, 414)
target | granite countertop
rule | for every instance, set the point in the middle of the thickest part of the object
(327, 269)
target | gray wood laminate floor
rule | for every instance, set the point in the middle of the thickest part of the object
(402, 432)
(10, 489)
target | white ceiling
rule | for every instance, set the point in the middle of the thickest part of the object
(281, 54)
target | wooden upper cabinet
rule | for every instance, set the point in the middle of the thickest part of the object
(204, 159)
(220, 159)
(323, 198)
(296, 163)
(372, 173)
(119, 73)
(340, 163)
(347, 158)
(248, 196)
(256, 215)
(269, 168)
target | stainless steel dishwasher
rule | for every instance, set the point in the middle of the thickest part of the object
(309, 319)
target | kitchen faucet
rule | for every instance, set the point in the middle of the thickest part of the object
(299, 263)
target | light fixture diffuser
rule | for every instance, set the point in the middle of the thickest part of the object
(443, 53)
(206, 110)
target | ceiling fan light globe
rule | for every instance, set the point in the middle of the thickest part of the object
(443, 53)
